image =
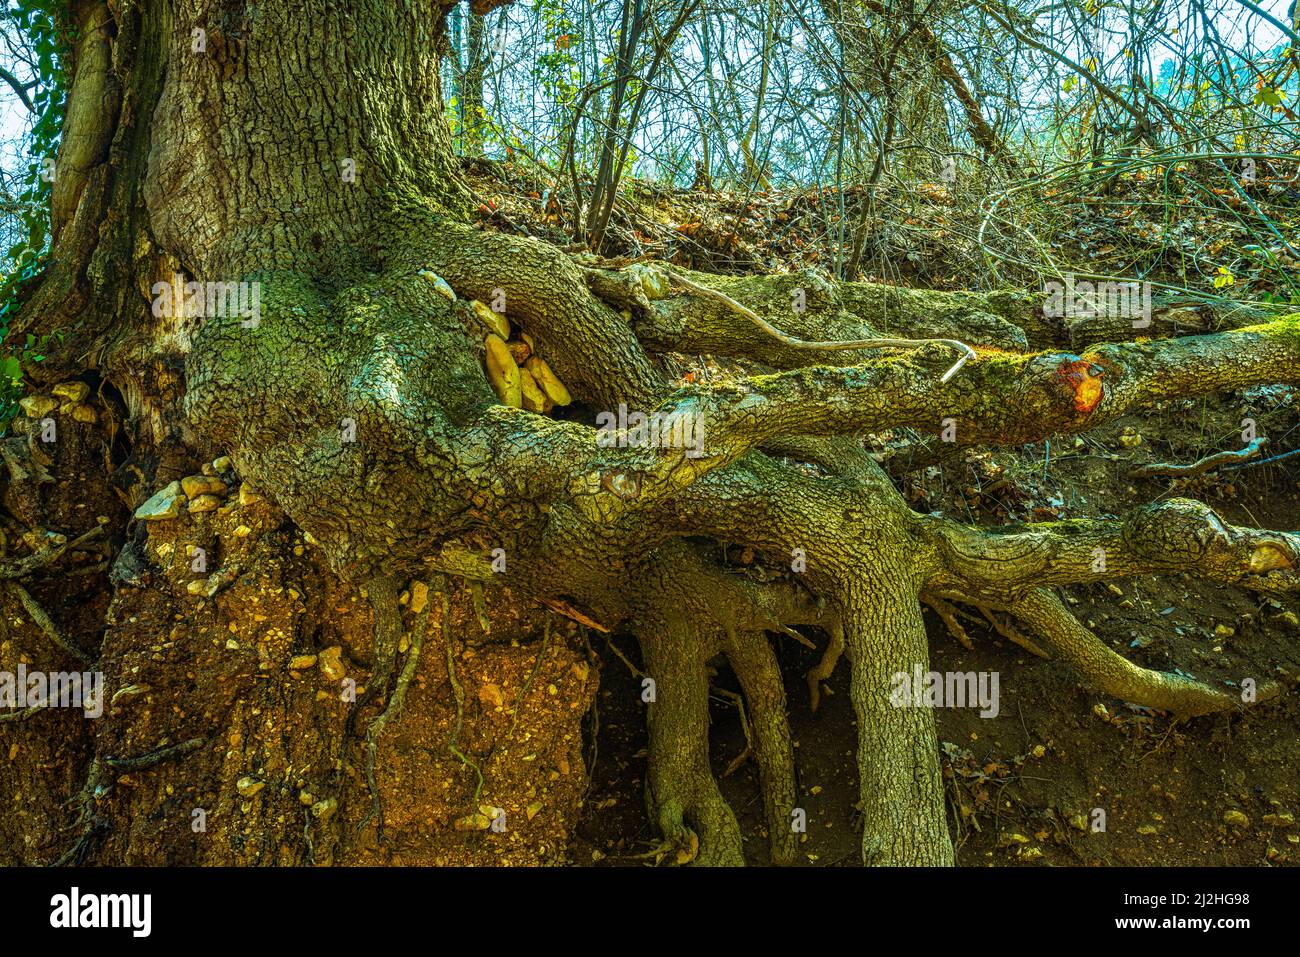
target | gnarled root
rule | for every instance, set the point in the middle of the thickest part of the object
(682, 797)
(755, 665)
(691, 610)
(1115, 674)
(388, 630)
(822, 670)
(423, 435)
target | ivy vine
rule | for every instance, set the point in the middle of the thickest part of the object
(41, 25)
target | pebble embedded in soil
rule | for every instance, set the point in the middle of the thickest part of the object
(330, 662)
(164, 504)
(204, 503)
(196, 485)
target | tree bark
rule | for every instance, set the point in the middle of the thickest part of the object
(325, 645)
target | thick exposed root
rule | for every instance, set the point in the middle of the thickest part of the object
(1176, 535)
(690, 610)
(682, 797)
(1116, 675)
(755, 665)
(904, 819)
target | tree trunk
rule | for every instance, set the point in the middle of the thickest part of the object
(303, 149)
(311, 547)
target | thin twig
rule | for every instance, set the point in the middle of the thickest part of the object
(150, 758)
(1271, 458)
(43, 621)
(1200, 466)
(22, 715)
(532, 675)
(31, 563)
(637, 672)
